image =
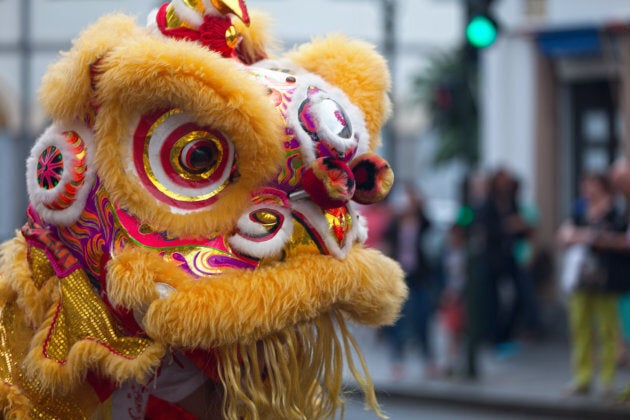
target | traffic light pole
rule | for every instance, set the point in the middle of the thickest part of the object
(480, 31)
(389, 50)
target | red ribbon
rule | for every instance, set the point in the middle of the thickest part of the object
(211, 32)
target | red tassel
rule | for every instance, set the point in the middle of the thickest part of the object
(212, 34)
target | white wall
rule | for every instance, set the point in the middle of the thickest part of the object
(9, 12)
(10, 187)
(61, 20)
(513, 13)
(9, 88)
(507, 108)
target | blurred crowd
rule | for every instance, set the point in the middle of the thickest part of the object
(484, 284)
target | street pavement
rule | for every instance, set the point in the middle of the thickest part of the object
(531, 381)
(422, 410)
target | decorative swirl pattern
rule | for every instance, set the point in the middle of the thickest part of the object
(93, 235)
(104, 228)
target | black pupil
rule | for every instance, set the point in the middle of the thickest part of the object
(201, 158)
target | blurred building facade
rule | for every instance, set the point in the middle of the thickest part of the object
(552, 96)
(34, 31)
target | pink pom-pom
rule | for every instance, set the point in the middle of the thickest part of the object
(374, 178)
(329, 182)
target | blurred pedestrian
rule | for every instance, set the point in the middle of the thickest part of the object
(502, 225)
(405, 243)
(618, 243)
(451, 308)
(592, 304)
(474, 192)
(525, 253)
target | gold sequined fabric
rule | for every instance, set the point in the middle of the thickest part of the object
(15, 335)
(80, 316)
(40, 267)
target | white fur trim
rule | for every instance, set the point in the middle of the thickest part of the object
(152, 25)
(315, 217)
(327, 91)
(188, 15)
(361, 224)
(254, 240)
(39, 197)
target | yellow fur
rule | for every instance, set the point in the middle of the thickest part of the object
(131, 278)
(15, 406)
(357, 69)
(244, 306)
(6, 291)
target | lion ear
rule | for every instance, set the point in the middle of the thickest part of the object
(60, 172)
(66, 93)
(356, 68)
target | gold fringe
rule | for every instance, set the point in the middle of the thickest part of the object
(13, 404)
(294, 374)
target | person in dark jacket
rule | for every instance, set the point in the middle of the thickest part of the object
(502, 226)
(405, 244)
(618, 242)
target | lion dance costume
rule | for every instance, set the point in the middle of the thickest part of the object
(192, 246)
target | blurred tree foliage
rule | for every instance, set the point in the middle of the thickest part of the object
(447, 89)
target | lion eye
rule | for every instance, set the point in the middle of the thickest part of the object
(199, 157)
(180, 162)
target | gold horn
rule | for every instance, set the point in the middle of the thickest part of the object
(176, 21)
(236, 7)
(196, 5)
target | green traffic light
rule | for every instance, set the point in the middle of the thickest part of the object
(481, 31)
(465, 216)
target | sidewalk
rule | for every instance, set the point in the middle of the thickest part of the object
(532, 381)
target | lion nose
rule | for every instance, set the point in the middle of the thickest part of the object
(331, 183)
